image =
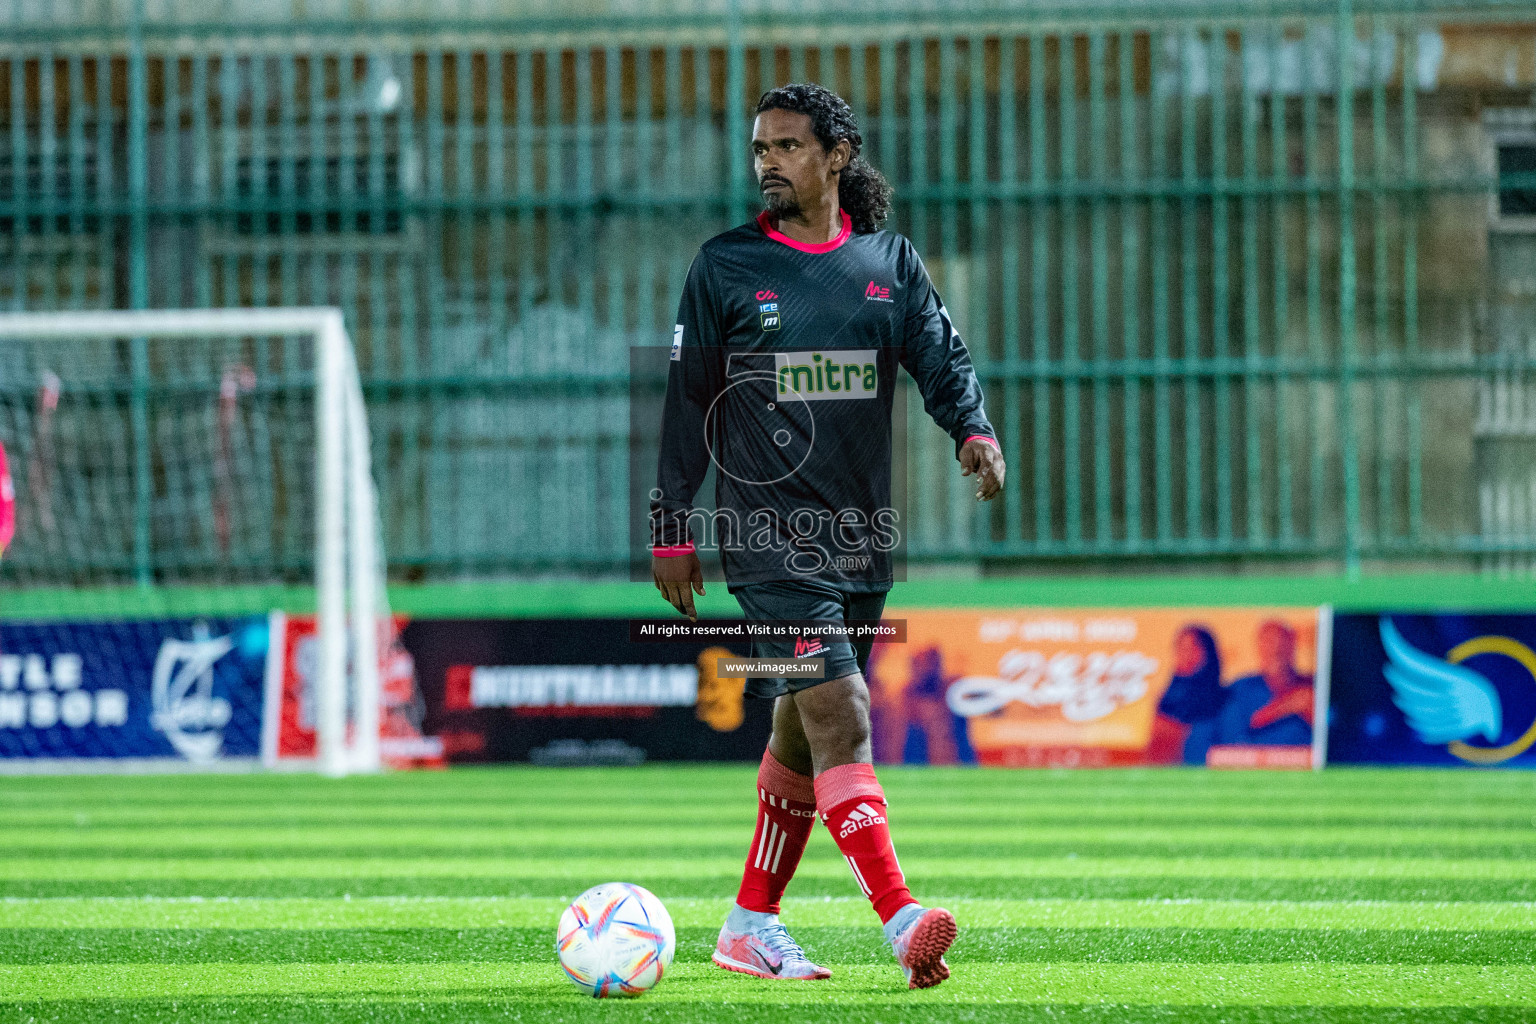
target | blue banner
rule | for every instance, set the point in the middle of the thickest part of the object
(1433, 690)
(181, 689)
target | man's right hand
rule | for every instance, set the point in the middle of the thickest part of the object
(677, 577)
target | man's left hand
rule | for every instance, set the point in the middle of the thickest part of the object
(986, 462)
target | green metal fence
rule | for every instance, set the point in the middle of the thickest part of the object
(1226, 280)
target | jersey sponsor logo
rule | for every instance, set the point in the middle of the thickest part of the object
(825, 376)
(862, 816)
(768, 309)
(677, 342)
(876, 293)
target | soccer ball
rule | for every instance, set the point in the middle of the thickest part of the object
(615, 939)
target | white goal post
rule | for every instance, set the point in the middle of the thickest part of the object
(348, 573)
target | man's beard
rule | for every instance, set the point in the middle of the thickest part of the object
(781, 204)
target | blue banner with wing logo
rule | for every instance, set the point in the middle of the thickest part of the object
(187, 690)
(1439, 689)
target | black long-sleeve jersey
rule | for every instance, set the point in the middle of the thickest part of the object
(783, 371)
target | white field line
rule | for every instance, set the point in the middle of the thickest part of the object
(711, 901)
(1112, 985)
(300, 913)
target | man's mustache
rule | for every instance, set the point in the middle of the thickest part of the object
(771, 179)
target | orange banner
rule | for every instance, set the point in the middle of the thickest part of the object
(1225, 687)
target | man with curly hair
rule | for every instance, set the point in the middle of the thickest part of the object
(784, 361)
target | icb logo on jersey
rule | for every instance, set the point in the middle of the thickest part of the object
(181, 696)
(824, 376)
(769, 313)
(677, 342)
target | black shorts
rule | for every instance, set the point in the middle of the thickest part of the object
(806, 599)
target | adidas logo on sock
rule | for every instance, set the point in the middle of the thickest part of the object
(860, 817)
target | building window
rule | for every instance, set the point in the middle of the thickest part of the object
(1517, 179)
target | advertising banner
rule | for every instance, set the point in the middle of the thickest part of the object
(1437, 689)
(1224, 687)
(564, 691)
(175, 692)
(289, 735)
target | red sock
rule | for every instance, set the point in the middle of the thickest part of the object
(853, 806)
(786, 813)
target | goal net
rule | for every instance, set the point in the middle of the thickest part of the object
(203, 454)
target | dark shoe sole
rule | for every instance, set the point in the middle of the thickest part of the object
(932, 936)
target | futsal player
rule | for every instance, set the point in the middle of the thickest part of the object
(784, 358)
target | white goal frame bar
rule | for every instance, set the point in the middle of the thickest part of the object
(343, 493)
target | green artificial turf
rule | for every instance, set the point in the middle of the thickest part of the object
(1098, 897)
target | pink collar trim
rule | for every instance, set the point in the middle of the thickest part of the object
(779, 236)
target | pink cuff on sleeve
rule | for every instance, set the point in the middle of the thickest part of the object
(982, 437)
(673, 551)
